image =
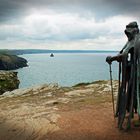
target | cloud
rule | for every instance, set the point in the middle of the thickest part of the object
(58, 24)
(64, 31)
(10, 10)
(63, 27)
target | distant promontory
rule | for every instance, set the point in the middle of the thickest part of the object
(11, 62)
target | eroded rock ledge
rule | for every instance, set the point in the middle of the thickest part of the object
(8, 81)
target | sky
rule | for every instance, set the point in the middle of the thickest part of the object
(66, 24)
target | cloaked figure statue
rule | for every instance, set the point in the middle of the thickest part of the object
(128, 101)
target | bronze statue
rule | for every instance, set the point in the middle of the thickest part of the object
(128, 101)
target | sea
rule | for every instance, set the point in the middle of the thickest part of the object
(65, 69)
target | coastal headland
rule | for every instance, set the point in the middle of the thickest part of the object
(51, 112)
(11, 62)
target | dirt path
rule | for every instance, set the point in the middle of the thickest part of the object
(91, 123)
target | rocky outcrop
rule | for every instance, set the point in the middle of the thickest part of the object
(34, 113)
(8, 81)
(11, 62)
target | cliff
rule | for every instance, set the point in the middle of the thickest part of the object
(36, 112)
(50, 112)
(11, 62)
(8, 81)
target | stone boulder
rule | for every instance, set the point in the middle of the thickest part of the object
(8, 81)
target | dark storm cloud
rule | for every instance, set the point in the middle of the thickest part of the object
(13, 9)
(10, 10)
(127, 7)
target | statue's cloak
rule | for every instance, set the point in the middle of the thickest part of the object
(137, 71)
(128, 100)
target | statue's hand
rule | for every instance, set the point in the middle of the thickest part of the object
(108, 59)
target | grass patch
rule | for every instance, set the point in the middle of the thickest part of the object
(88, 83)
(81, 84)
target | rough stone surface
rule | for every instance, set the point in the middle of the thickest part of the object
(83, 92)
(36, 112)
(8, 81)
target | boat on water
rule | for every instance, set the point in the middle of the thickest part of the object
(51, 55)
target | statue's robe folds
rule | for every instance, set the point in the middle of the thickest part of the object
(128, 100)
(137, 71)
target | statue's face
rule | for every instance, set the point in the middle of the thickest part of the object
(130, 32)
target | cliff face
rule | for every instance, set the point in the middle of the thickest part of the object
(8, 81)
(11, 62)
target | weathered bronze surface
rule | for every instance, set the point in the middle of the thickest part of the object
(128, 101)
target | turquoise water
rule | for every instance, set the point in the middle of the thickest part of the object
(65, 69)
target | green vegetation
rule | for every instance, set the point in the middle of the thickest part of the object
(88, 83)
(5, 51)
(8, 81)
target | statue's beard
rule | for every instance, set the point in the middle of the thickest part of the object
(130, 35)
